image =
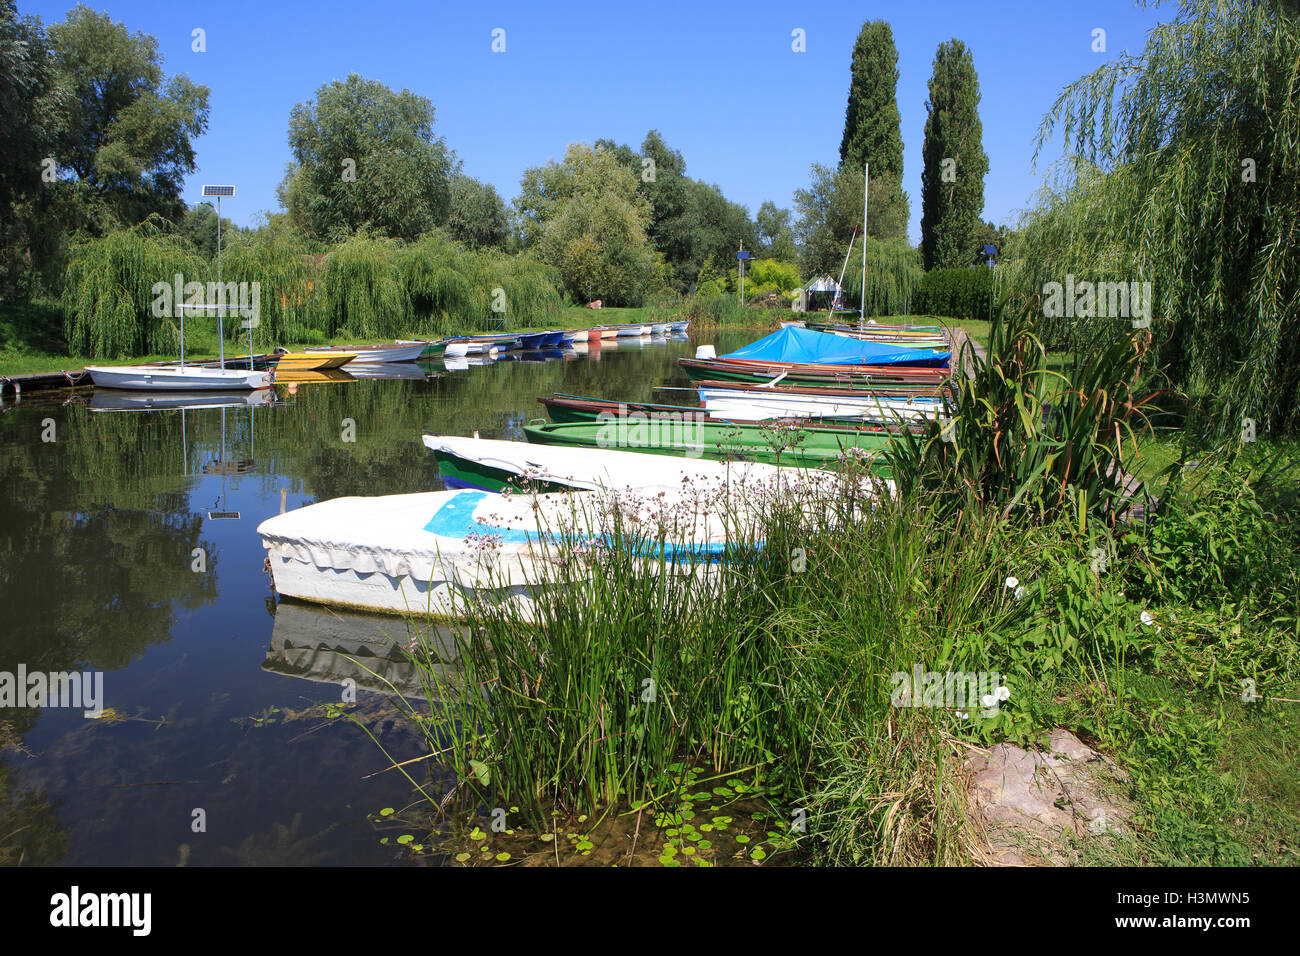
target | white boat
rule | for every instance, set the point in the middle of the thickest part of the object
(438, 552)
(190, 378)
(625, 331)
(462, 349)
(593, 469)
(679, 326)
(377, 354)
(660, 328)
(752, 405)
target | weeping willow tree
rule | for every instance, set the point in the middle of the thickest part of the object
(382, 287)
(364, 291)
(1183, 170)
(893, 270)
(290, 278)
(108, 291)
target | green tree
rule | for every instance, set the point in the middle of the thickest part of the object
(200, 227)
(775, 233)
(477, 214)
(126, 133)
(366, 157)
(30, 109)
(586, 218)
(952, 177)
(872, 126)
(1181, 173)
(831, 207)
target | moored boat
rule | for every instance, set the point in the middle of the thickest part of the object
(439, 553)
(493, 465)
(176, 378)
(794, 444)
(373, 354)
(813, 375)
(577, 408)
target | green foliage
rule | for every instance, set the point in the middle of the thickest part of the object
(775, 232)
(290, 279)
(383, 288)
(690, 221)
(1216, 541)
(589, 222)
(126, 134)
(477, 216)
(109, 296)
(365, 156)
(872, 127)
(1023, 440)
(1181, 176)
(831, 208)
(951, 206)
(29, 116)
(956, 293)
(893, 271)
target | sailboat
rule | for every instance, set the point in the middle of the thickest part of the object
(182, 377)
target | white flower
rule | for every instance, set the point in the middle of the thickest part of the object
(1013, 583)
(1004, 693)
(1147, 619)
(963, 715)
(989, 700)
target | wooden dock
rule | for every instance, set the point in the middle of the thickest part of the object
(17, 385)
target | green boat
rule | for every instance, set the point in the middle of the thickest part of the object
(883, 377)
(792, 444)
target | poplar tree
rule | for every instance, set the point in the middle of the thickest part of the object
(954, 161)
(872, 128)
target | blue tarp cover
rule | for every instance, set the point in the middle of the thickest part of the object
(804, 346)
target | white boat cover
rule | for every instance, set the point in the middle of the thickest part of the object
(600, 468)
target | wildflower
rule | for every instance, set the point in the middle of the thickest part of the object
(1003, 693)
(1147, 619)
(989, 700)
(1017, 589)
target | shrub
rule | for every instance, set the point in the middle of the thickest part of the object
(955, 293)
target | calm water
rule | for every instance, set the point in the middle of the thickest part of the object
(211, 684)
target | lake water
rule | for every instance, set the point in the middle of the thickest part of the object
(111, 562)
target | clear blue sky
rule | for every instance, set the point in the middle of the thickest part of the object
(719, 81)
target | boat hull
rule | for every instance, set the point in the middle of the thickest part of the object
(376, 354)
(190, 378)
(798, 446)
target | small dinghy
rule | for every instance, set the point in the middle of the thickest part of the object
(439, 553)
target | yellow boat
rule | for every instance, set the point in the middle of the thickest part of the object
(310, 361)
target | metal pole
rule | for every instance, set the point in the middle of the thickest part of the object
(866, 183)
(221, 338)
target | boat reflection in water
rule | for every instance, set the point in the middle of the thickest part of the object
(118, 400)
(330, 646)
(389, 370)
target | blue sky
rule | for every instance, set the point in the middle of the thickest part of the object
(720, 81)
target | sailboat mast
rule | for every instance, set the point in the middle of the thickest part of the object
(844, 268)
(866, 182)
